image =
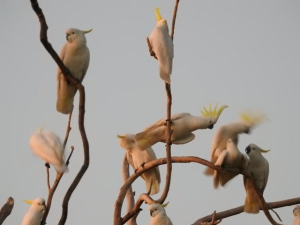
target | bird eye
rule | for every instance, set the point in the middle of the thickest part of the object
(155, 209)
(253, 148)
(73, 32)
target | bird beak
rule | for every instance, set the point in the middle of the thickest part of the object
(264, 151)
(67, 36)
(120, 136)
(40, 129)
(158, 16)
(247, 150)
(27, 201)
(88, 31)
(211, 126)
(151, 213)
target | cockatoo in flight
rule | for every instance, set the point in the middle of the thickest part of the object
(182, 125)
(76, 57)
(138, 158)
(48, 147)
(162, 46)
(230, 157)
(35, 212)
(296, 213)
(258, 166)
(158, 215)
(249, 120)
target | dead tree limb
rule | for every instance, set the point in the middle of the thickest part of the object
(6, 209)
(68, 76)
(129, 194)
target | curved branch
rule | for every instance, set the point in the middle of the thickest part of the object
(240, 209)
(129, 194)
(6, 209)
(80, 88)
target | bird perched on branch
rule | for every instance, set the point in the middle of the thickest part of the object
(230, 157)
(35, 212)
(296, 213)
(76, 57)
(258, 166)
(158, 214)
(162, 45)
(48, 147)
(138, 158)
(182, 125)
(249, 120)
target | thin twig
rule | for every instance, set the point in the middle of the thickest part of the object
(174, 19)
(6, 209)
(69, 128)
(48, 175)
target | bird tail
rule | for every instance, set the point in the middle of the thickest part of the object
(224, 178)
(165, 75)
(150, 177)
(146, 139)
(64, 105)
(251, 203)
(61, 168)
(216, 179)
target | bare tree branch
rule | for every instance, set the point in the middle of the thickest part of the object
(129, 194)
(174, 19)
(240, 209)
(6, 209)
(80, 88)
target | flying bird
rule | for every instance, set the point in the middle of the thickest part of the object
(76, 57)
(248, 120)
(48, 147)
(258, 166)
(35, 212)
(182, 125)
(138, 158)
(296, 213)
(162, 46)
(158, 215)
(230, 157)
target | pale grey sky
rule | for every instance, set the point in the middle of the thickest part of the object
(244, 54)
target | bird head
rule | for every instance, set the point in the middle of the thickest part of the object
(126, 141)
(157, 209)
(37, 204)
(253, 150)
(212, 116)
(159, 19)
(296, 210)
(75, 35)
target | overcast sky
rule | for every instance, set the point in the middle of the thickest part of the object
(244, 54)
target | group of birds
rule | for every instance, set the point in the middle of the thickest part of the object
(224, 152)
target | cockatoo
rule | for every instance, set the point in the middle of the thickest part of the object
(35, 212)
(296, 213)
(76, 57)
(138, 158)
(182, 125)
(248, 121)
(258, 166)
(230, 157)
(48, 147)
(158, 214)
(162, 46)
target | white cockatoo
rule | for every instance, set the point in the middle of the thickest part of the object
(248, 121)
(230, 157)
(258, 166)
(162, 46)
(76, 57)
(182, 125)
(296, 213)
(48, 147)
(35, 212)
(158, 215)
(138, 158)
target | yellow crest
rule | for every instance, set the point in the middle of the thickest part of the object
(253, 117)
(157, 13)
(213, 113)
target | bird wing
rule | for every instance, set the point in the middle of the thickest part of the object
(152, 156)
(130, 160)
(266, 175)
(86, 66)
(54, 143)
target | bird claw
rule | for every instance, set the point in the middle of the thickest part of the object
(143, 164)
(170, 121)
(47, 165)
